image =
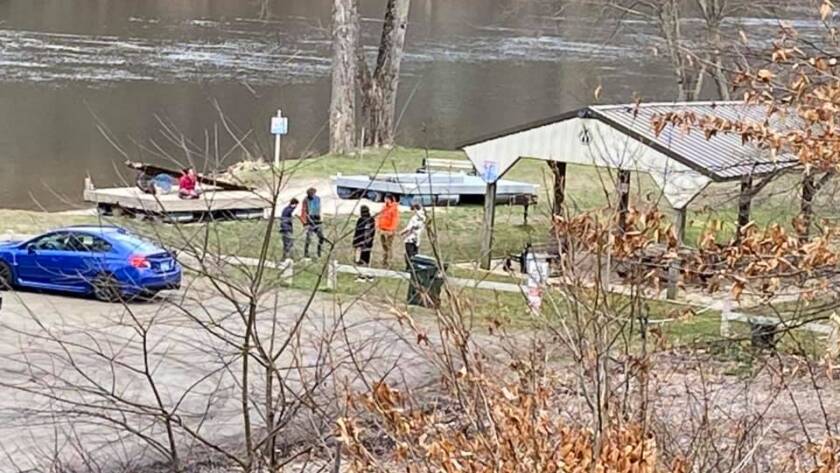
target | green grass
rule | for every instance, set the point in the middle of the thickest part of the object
(481, 307)
(587, 188)
(369, 161)
(28, 222)
(456, 230)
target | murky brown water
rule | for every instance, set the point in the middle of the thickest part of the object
(71, 67)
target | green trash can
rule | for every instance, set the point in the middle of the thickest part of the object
(426, 282)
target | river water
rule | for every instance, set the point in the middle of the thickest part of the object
(85, 84)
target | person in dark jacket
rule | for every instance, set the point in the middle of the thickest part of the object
(287, 229)
(363, 237)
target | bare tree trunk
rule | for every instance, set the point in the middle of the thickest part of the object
(380, 88)
(806, 205)
(714, 12)
(559, 171)
(810, 187)
(343, 101)
(265, 9)
(721, 82)
(689, 81)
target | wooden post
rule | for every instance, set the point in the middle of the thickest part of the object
(332, 275)
(287, 272)
(487, 226)
(680, 223)
(559, 170)
(674, 266)
(744, 204)
(806, 206)
(278, 135)
(623, 199)
(525, 212)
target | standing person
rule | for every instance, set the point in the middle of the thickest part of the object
(412, 232)
(310, 216)
(188, 184)
(387, 223)
(363, 238)
(287, 229)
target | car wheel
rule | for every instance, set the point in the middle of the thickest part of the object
(148, 295)
(6, 277)
(106, 288)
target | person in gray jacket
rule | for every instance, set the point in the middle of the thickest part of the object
(412, 233)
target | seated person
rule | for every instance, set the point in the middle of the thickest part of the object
(188, 185)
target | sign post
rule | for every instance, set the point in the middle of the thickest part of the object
(279, 127)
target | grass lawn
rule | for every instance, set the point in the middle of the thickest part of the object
(367, 163)
(481, 307)
(456, 229)
(27, 222)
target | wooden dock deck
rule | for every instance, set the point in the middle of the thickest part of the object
(213, 203)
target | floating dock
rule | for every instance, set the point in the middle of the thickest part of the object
(433, 188)
(213, 203)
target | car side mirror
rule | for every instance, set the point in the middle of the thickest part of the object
(30, 249)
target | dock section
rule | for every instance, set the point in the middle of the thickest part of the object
(213, 203)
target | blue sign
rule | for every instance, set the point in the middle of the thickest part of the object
(490, 172)
(279, 125)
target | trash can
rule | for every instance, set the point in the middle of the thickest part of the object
(763, 334)
(426, 282)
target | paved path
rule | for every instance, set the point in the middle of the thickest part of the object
(82, 351)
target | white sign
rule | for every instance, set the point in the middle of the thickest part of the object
(537, 272)
(279, 125)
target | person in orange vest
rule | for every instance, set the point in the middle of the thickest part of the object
(387, 223)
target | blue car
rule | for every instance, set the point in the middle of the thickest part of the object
(107, 262)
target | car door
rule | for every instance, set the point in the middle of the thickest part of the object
(75, 263)
(87, 258)
(37, 262)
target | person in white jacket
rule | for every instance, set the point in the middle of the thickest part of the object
(413, 232)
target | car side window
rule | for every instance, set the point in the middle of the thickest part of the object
(100, 246)
(51, 242)
(89, 243)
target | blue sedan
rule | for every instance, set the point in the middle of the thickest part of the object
(107, 262)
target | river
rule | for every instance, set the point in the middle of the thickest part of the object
(85, 84)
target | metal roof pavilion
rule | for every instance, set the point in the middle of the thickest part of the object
(622, 137)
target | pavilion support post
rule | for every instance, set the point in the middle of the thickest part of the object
(744, 205)
(623, 199)
(806, 206)
(559, 170)
(487, 226)
(674, 266)
(525, 213)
